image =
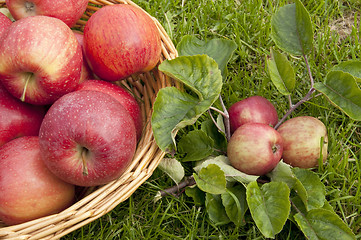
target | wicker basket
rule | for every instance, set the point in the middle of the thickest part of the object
(98, 201)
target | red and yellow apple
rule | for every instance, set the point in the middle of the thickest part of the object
(120, 40)
(40, 60)
(28, 190)
(69, 11)
(305, 141)
(255, 148)
(252, 109)
(87, 138)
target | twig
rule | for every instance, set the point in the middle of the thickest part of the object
(307, 97)
(188, 181)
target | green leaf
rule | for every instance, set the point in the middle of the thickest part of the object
(220, 50)
(216, 210)
(234, 201)
(219, 139)
(199, 197)
(309, 188)
(174, 109)
(230, 172)
(173, 168)
(281, 72)
(211, 179)
(342, 91)
(283, 173)
(292, 29)
(352, 67)
(321, 224)
(196, 145)
(269, 206)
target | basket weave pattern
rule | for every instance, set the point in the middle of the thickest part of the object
(96, 202)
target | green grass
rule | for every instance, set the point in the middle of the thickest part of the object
(247, 22)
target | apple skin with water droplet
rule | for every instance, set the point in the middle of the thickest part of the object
(87, 138)
(302, 137)
(28, 190)
(255, 148)
(40, 60)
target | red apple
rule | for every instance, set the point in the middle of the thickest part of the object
(40, 60)
(124, 97)
(69, 11)
(5, 22)
(87, 138)
(18, 118)
(255, 148)
(252, 109)
(28, 190)
(121, 40)
(86, 73)
(303, 137)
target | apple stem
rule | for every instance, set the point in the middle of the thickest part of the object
(83, 158)
(29, 77)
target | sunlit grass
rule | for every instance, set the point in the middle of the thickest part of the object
(337, 37)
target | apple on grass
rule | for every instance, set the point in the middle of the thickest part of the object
(40, 60)
(28, 190)
(120, 40)
(87, 138)
(255, 148)
(18, 118)
(252, 109)
(69, 11)
(5, 22)
(304, 137)
(123, 96)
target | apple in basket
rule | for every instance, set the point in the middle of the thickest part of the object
(86, 73)
(5, 22)
(252, 109)
(255, 148)
(28, 190)
(18, 118)
(120, 40)
(123, 96)
(87, 138)
(69, 11)
(40, 59)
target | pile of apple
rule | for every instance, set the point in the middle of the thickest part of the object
(256, 146)
(63, 120)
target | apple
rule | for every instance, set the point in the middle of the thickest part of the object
(18, 118)
(5, 22)
(69, 11)
(87, 138)
(28, 190)
(40, 60)
(120, 40)
(303, 137)
(86, 73)
(255, 148)
(252, 109)
(123, 96)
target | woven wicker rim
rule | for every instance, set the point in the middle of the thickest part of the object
(99, 201)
